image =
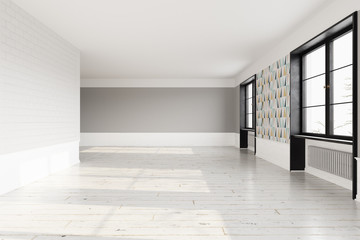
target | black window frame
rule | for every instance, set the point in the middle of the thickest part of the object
(243, 105)
(328, 120)
(246, 106)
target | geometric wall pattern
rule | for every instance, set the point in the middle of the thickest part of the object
(273, 101)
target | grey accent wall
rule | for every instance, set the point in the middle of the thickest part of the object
(158, 110)
(237, 109)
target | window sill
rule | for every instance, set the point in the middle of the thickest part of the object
(333, 140)
(247, 129)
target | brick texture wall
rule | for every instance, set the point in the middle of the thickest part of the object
(39, 84)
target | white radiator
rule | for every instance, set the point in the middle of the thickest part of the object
(332, 161)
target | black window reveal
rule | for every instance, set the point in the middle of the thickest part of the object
(324, 94)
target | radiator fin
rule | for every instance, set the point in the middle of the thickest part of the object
(335, 162)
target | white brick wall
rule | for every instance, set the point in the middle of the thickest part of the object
(39, 84)
(39, 99)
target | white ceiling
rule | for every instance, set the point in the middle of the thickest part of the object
(170, 38)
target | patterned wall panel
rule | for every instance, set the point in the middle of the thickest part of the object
(273, 101)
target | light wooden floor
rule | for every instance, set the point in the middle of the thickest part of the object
(181, 194)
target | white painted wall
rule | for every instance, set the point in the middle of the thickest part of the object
(328, 16)
(274, 152)
(39, 99)
(20, 168)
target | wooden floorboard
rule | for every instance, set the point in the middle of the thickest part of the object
(187, 193)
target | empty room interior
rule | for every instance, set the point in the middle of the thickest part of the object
(179, 120)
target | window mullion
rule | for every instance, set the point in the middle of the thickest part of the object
(254, 104)
(246, 107)
(328, 112)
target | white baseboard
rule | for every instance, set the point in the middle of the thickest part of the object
(342, 182)
(21, 168)
(275, 152)
(159, 83)
(157, 139)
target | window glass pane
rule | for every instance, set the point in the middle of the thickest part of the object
(249, 120)
(314, 120)
(314, 63)
(341, 85)
(249, 105)
(342, 51)
(342, 119)
(314, 91)
(249, 90)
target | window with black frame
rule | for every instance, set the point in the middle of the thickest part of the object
(327, 88)
(249, 105)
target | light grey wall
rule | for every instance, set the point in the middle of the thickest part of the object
(237, 109)
(158, 110)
